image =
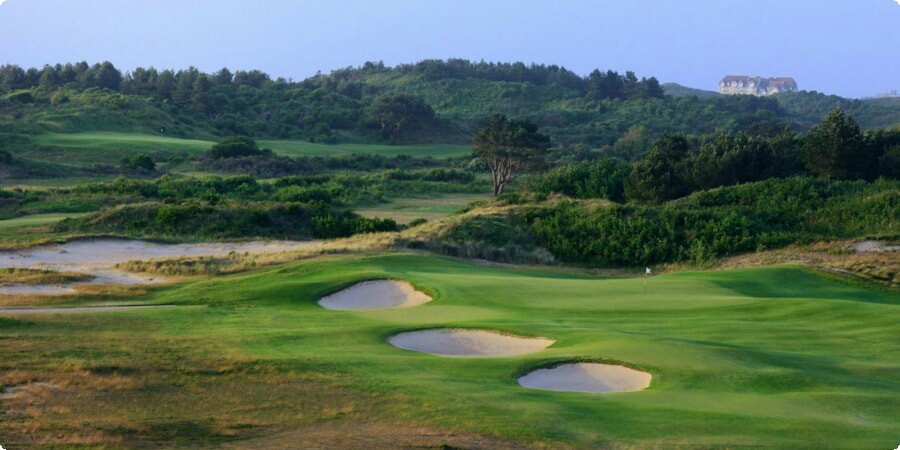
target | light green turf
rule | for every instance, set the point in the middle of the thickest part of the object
(111, 146)
(297, 148)
(774, 357)
(102, 140)
(405, 210)
(35, 220)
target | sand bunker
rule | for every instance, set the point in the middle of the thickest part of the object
(586, 377)
(375, 294)
(459, 342)
(98, 257)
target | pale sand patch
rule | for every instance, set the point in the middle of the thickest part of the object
(460, 342)
(586, 377)
(375, 294)
(98, 257)
(874, 246)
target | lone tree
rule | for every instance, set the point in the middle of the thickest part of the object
(509, 148)
(398, 112)
(834, 149)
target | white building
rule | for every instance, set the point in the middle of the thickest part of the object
(742, 84)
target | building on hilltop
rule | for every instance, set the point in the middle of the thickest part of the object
(741, 84)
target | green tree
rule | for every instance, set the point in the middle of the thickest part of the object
(141, 161)
(834, 149)
(396, 112)
(234, 147)
(509, 148)
(663, 174)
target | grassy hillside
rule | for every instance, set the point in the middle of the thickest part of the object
(337, 107)
(774, 357)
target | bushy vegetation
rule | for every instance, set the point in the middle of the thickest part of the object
(289, 220)
(698, 228)
(429, 101)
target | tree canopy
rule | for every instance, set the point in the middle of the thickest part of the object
(509, 148)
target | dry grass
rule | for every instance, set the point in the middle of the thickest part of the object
(40, 276)
(837, 258)
(186, 394)
(238, 262)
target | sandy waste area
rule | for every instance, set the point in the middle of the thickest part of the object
(98, 257)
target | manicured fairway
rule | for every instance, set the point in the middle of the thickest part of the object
(111, 146)
(297, 148)
(30, 228)
(774, 357)
(405, 210)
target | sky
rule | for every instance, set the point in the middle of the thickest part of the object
(845, 47)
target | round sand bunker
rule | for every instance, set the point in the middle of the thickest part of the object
(586, 377)
(459, 342)
(376, 294)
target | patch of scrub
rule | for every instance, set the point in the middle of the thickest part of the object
(461, 342)
(586, 377)
(98, 257)
(375, 294)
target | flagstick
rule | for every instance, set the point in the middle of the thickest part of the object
(645, 282)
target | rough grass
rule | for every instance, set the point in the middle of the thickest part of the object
(774, 357)
(40, 276)
(405, 210)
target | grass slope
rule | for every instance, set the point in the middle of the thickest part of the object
(109, 147)
(772, 357)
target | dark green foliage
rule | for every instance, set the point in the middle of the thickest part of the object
(697, 228)
(835, 150)
(598, 179)
(509, 148)
(139, 162)
(723, 221)
(663, 174)
(395, 113)
(732, 159)
(453, 96)
(289, 220)
(234, 147)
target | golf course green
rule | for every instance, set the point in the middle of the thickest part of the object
(766, 357)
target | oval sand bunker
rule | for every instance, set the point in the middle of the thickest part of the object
(376, 294)
(458, 342)
(586, 377)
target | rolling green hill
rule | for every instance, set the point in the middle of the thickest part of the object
(596, 110)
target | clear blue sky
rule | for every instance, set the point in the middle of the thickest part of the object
(844, 47)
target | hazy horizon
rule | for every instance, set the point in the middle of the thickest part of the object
(843, 47)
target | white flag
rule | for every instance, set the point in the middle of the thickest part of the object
(649, 271)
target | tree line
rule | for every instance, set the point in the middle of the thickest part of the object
(677, 165)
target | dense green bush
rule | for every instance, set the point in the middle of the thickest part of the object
(697, 228)
(597, 179)
(290, 220)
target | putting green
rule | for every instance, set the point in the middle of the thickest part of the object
(769, 357)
